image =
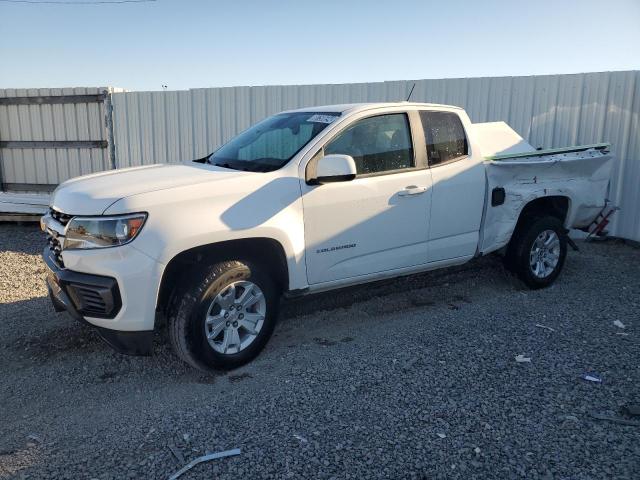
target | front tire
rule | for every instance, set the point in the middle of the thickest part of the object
(225, 316)
(537, 251)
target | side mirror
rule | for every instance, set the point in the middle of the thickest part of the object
(335, 168)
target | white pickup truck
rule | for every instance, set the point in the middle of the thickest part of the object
(308, 200)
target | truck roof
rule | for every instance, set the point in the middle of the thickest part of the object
(356, 107)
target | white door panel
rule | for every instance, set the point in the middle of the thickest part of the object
(453, 246)
(367, 225)
(458, 199)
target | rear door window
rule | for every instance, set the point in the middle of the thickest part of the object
(445, 137)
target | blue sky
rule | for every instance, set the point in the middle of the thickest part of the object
(191, 43)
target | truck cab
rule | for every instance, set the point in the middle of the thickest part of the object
(416, 196)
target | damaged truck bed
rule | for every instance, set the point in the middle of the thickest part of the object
(520, 174)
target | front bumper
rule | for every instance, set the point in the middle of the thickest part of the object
(85, 296)
(82, 294)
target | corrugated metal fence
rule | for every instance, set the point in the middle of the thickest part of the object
(48, 135)
(154, 127)
(548, 111)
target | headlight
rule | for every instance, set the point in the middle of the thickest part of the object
(101, 232)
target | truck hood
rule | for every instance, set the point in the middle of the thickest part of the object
(93, 194)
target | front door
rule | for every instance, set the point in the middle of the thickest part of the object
(377, 222)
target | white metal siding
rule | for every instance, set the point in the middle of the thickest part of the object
(49, 166)
(548, 111)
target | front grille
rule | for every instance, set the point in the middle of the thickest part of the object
(56, 249)
(54, 242)
(63, 218)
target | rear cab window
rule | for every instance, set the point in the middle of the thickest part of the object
(444, 136)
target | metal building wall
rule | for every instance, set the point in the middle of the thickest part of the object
(41, 169)
(548, 111)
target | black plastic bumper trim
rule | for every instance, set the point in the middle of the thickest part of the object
(69, 289)
(128, 343)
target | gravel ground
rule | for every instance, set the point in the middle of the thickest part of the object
(412, 378)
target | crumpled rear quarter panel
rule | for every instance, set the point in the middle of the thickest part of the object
(583, 177)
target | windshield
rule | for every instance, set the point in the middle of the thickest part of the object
(270, 144)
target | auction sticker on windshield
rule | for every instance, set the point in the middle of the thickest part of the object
(318, 118)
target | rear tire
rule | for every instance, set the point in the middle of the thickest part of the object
(224, 317)
(537, 251)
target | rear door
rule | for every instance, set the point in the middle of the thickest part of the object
(458, 176)
(379, 221)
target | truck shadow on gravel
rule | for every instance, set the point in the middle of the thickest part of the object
(72, 338)
(35, 334)
(400, 291)
(47, 335)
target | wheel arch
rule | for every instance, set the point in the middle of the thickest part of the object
(557, 206)
(264, 251)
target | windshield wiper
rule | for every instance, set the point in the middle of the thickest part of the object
(225, 165)
(259, 165)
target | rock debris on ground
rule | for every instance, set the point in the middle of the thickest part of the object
(411, 378)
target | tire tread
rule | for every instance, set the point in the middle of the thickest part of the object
(185, 300)
(517, 257)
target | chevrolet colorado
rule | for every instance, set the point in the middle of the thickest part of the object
(307, 200)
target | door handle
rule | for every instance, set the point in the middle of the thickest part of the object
(412, 190)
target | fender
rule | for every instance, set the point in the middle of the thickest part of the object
(255, 205)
